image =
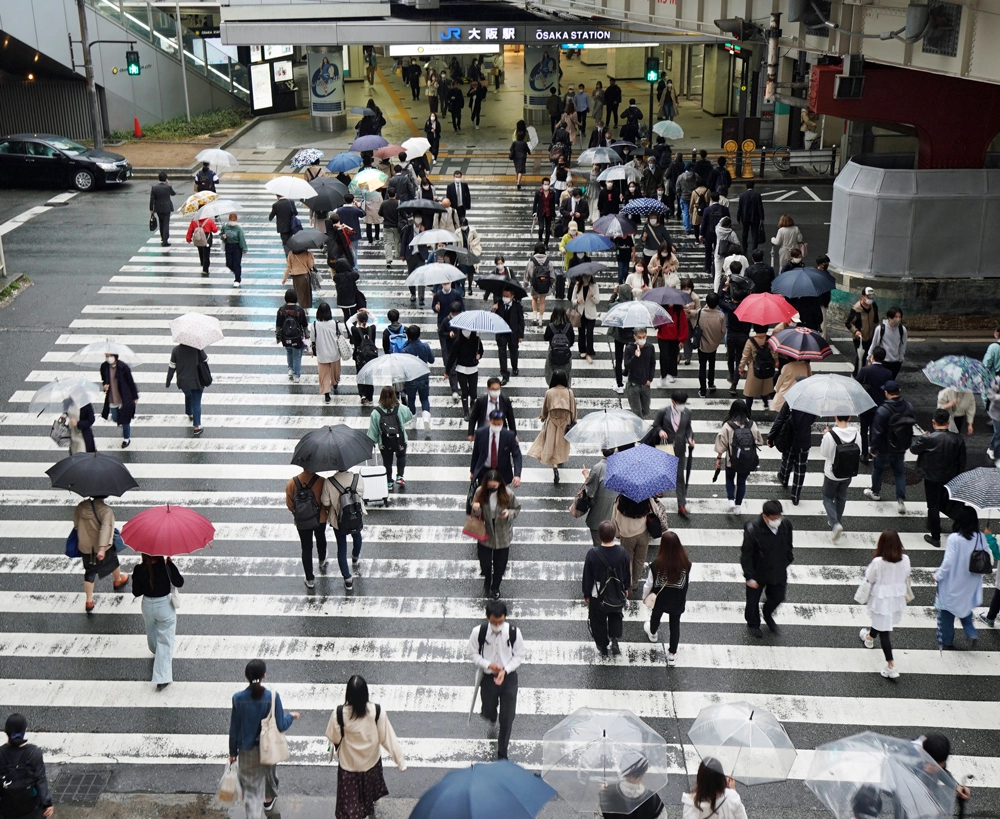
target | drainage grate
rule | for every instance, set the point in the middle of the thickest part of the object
(81, 789)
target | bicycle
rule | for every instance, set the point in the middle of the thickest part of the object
(781, 158)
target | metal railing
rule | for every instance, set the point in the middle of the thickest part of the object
(159, 29)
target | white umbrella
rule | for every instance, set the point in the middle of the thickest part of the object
(98, 349)
(532, 137)
(827, 395)
(434, 237)
(219, 207)
(196, 330)
(619, 172)
(291, 187)
(219, 159)
(434, 273)
(668, 129)
(56, 395)
(415, 146)
(387, 370)
(480, 321)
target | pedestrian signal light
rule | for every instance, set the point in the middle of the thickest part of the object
(652, 69)
(132, 60)
(738, 27)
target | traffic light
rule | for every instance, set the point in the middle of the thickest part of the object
(652, 69)
(132, 60)
(740, 29)
(735, 50)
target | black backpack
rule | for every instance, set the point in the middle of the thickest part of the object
(18, 794)
(743, 450)
(349, 518)
(701, 203)
(899, 429)
(305, 507)
(610, 596)
(291, 330)
(846, 458)
(560, 353)
(739, 288)
(366, 351)
(340, 718)
(541, 281)
(390, 429)
(205, 180)
(763, 365)
(511, 637)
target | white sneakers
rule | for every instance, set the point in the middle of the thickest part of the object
(670, 379)
(871, 495)
(671, 660)
(890, 673)
(866, 638)
(838, 530)
(663, 382)
(427, 421)
(620, 389)
(735, 508)
(650, 634)
(236, 284)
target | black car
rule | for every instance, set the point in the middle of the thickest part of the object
(47, 161)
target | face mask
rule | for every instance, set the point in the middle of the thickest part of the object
(545, 185)
(433, 118)
(659, 193)
(578, 255)
(652, 167)
(632, 188)
(640, 341)
(467, 333)
(653, 221)
(866, 302)
(110, 359)
(609, 185)
(418, 220)
(496, 427)
(573, 232)
(507, 300)
(458, 180)
(494, 394)
(773, 524)
(446, 287)
(232, 221)
(496, 629)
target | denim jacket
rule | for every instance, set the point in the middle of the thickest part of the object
(248, 713)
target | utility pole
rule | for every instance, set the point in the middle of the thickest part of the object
(180, 53)
(773, 35)
(88, 67)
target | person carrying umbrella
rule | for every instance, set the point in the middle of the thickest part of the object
(26, 787)
(639, 362)
(630, 792)
(300, 267)
(758, 365)
(463, 363)
(120, 396)
(94, 523)
(510, 310)
(205, 179)
(235, 245)
(714, 795)
(387, 429)
(765, 557)
(191, 367)
(791, 433)
(841, 455)
(602, 500)
(199, 234)
(152, 580)
(737, 442)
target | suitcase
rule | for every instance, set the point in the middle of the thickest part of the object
(376, 489)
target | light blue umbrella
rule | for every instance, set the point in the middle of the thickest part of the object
(641, 472)
(589, 243)
(480, 321)
(344, 162)
(959, 372)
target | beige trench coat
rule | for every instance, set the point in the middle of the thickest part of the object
(558, 412)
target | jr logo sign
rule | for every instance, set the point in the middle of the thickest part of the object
(452, 34)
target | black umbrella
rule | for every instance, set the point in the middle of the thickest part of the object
(332, 448)
(307, 239)
(422, 205)
(585, 269)
(497, 284)
(92, 475)
(667, 295)
(329, 196)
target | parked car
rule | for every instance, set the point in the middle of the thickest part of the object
(47, 160)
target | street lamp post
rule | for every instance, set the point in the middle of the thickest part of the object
(88, 68)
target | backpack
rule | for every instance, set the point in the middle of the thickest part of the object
(610, 596)
(390, 429)
(541, 279)
(511, 637)
(340, 718)
(763, 365)
(204, 180)
(291, 330)
(696, 332)
(743, 450)
(899, 429)
(366, 351)
(701, 203)
(560, 353)
(846, 458)
(739, 288)
(349, 518)
(198, 236)
(397, 339)
(18, 794)
(305, 507)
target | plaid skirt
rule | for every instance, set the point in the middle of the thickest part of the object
(358, 791)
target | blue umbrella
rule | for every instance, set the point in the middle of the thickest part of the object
(342, 163)
(802, 282)
(643, 207)
(492, 790)
(641, 472)
(480, 321)
(370, 142)
(589, 243)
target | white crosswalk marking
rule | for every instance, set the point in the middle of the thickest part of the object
(406, 623)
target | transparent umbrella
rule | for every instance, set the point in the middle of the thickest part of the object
(219, 159)
(94, 353)
(637, 314)
(608, 429)
(827, 395)
(219, 207)
(618, 173)
(587, 755)
(868, 767)
(749, 742)
(434, 237)
(434, 273)
(56, 396)
(387, 370)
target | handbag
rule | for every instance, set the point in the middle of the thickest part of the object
(152, 222)
(362, 301)
(908, 597)
(574, 317)
(980, 561)
(581, 504)
(60, 432)
(314, 280)
(804, 247)
(656, 520)
(175, 596)
(475, 527)
(204, 374)
(273, 746)
(470, 496)
(343, 343)
(73, 544)
(864, 591)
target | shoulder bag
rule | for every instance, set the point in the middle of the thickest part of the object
(343, 343)
(581, 504)
(273, 746)
(60, 432)
(980, 561)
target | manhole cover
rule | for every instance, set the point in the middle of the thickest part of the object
(82, 789)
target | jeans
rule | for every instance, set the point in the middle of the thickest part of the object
(503, 699)
(638, 398)
(126, 428)
(894, 460)
(668, 357)
(387, 455)
(946, 627)
(835, 499)
(294, 357)
(604, 625)
(775, 593)
(686, 213)
(736, 486)
(675, 626)
(587, 336)
(234, 259)
(160, 617)
(493, 564)
(341, 535)
(419, 387)
(391, 244)
(706, 370)
(995, 441)
(505, 342)
(622, 270)
(306, 539)
(192, 405)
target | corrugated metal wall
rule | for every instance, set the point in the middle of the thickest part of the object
(44, 106)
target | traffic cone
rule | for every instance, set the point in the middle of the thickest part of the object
(136, 127)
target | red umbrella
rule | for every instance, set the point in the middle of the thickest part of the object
(765, 308)
(167, 531)
(390, 151)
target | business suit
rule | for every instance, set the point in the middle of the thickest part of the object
(162, 205)
(678, 438)
(513, 314)
(508, 454)
(281, 214)
(750, 214)
(480, 415)
(578, 213)
(460, 203)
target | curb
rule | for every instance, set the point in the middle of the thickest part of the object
(20, 283)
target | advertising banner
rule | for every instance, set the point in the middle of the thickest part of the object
(541, 71)
(327, 96)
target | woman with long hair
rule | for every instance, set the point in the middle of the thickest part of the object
(889, 575)
(570, 121)
(668, 578)
(356, 730)
(497, 506)
(463, 362)
(387, 428)
(959, 590)
(152, 580)
(714, 794)
(736, 481)
(663, 266)
(558, 413)
(323, 341)
(250, 707)
(639, 279)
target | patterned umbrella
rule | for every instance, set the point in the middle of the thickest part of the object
(668, 129)
(370, 179)
(643, 207)
(306, 157)
(641, 472)
(434, 273)
(344, 162)
(764, 308)
(599, 156)
(168, 530)
(370, 142)
(197, 201)
(636, 314)
(615, 225)
(219, 159)
(978, 488)
(196, 330)
(480, 321)
(291, 187)
(802, 282)
(389, 151)
(619, 172)
(589, 243)
(801, 344)
(667, 295)
(959, 372)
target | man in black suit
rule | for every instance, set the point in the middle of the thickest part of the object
(759, 272)
(458, 193)
(576, 209)
(711, 217)
(511, 311)
(672, 427)
(750, 214)
(493, 401)
(162, 205)
(496, 448)
(283, 210)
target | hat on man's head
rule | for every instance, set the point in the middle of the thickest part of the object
(891, 387)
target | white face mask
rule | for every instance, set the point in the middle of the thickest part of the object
(433, 118)
(494, 394)
(659, 193)
(578, 255)
(458, 180)
(418, 220)
(866, 301)
(467, 333)
(609, 185)
(496, 629)
(640, 341)
(110, 359)
(507, 299)
(632, 188)
(653, 220)
(652, 167)
(573, 232)
(446, 287)
(773, 524)
(545, 186)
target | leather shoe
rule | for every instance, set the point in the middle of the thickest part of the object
(682, 511)
(755, 631)
(934, 541)
(769, 620)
